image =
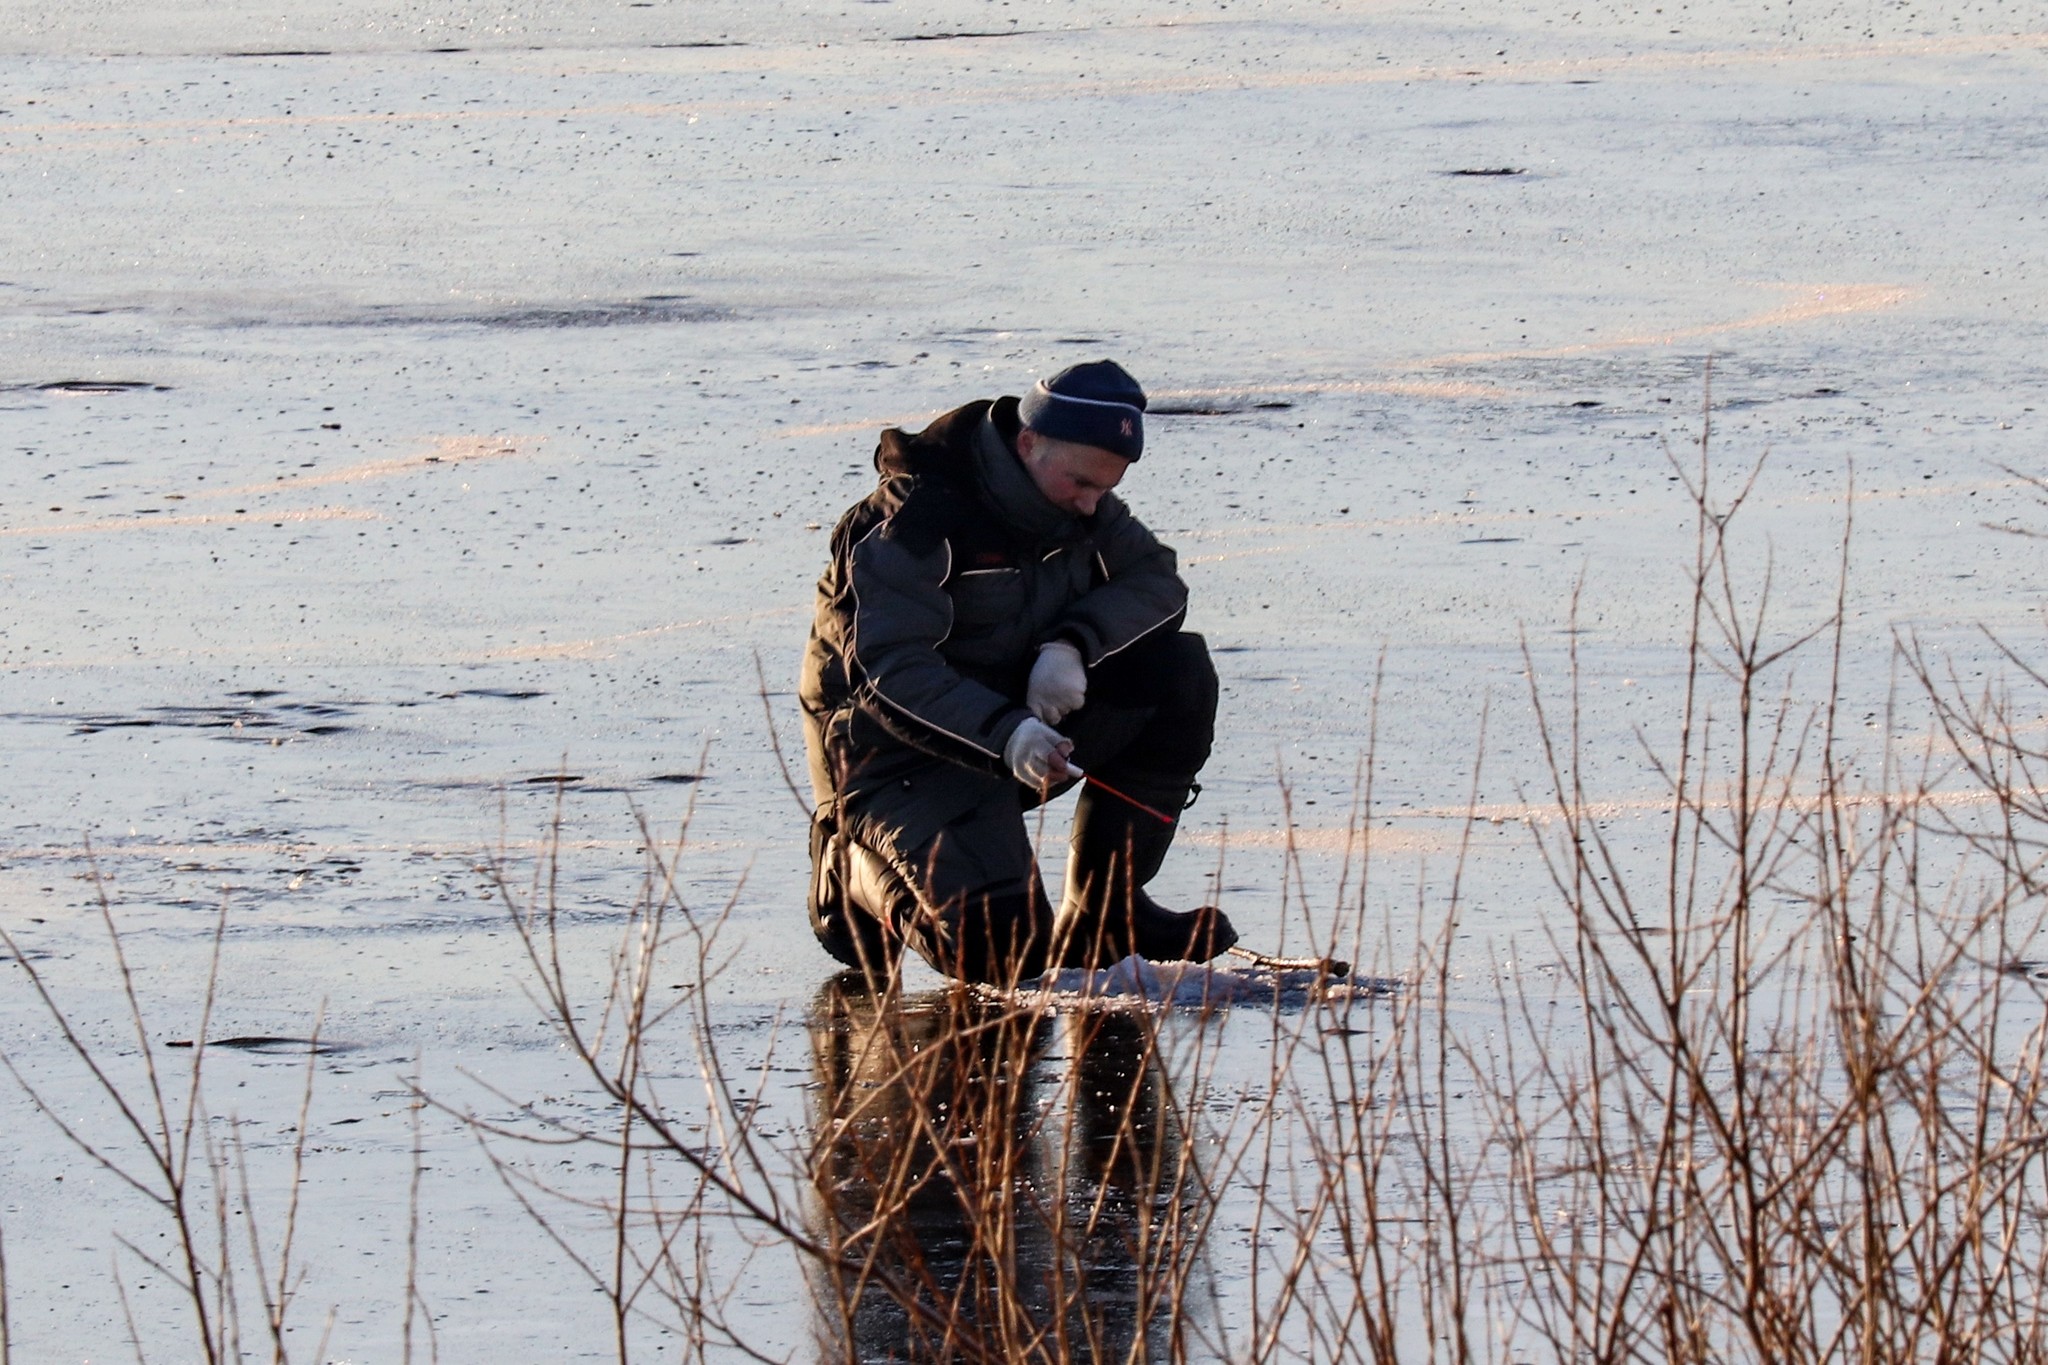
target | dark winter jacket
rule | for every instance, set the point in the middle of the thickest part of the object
(943, 584)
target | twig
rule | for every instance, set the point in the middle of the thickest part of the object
(775, 736)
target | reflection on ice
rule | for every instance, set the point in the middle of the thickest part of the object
(995, 1182)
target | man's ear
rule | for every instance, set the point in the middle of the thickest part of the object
(1027, 441)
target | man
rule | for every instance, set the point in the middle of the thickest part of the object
(993, 624)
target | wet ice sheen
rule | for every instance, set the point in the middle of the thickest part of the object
(456, 399)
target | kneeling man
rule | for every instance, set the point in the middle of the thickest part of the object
(994, 624)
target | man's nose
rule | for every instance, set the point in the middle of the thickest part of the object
(1084, 502)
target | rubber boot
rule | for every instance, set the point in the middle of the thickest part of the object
(1118, 847)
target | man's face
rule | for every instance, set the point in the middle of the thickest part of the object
(1072, 477)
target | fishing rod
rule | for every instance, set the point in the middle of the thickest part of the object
(1161, 816)
(1336, 968)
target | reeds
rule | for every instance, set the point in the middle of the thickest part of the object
(147, 1124)
(1780, 1092)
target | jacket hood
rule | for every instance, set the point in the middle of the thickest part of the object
(976, 445)
(902, 452)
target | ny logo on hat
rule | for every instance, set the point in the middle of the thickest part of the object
(1127, 426)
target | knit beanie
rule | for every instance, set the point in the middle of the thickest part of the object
(1093, 404)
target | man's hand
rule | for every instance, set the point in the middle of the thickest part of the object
(1059, 682)
(1037, 754)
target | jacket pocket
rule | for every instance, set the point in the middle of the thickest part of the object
(898, 817)
(989, 624)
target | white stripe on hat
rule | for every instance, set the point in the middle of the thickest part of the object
(1092, 402)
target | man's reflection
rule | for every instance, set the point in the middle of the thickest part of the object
(988, 1197)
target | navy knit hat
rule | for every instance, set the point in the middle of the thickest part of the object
(1093, 404)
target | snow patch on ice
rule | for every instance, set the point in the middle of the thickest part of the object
(1135, 982)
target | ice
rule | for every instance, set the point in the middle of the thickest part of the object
(419, 419)
(1189, 985)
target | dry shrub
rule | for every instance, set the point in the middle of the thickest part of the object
(142, 1117)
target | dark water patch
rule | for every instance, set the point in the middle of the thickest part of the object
(1586, 403)
(1492, 540)
(2032, 968)
(229, 718)
(964, 33)
(1494, 172)
(501, 693)
(734, 540)
(282, 52)
(326, 730)
(258, 693)
(638, 312)
(97, 387)
(1079, 341)
(444, 51)
(26, 955)
(649, 311)
(566, 782)
(245, 722)
(701, 42)
(216, 718)
(677, 779)
(92, 725)
(270, 1044)
(1213, 409)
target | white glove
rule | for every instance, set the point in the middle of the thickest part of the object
(1033, 750)
(1059, 683)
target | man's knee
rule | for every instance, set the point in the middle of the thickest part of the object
(1169, 671)
(856, 902)
(968, 899)
(1190, 691)
(998, 937)
(1171, 676)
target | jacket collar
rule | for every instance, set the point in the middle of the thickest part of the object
(1009, 487)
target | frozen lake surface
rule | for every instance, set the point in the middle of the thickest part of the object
(419, 420)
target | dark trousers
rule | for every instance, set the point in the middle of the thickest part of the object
(969, 899)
